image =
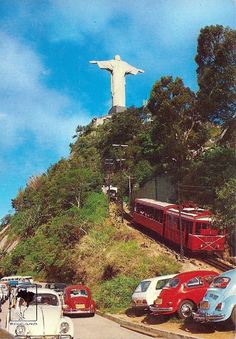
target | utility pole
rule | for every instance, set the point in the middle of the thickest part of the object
(130, 188)
(109, 163)
(180, 226)
(120, 146)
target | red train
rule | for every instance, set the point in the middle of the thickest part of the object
(191, 223)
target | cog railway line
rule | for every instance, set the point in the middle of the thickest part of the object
(213, 261)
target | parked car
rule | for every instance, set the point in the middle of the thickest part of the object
(5, 291)
(78, 300)
(147, 291)
(219, 302)
(58, 287)
(183, 293)
(38, 313)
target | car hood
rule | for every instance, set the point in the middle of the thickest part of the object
(45, 321)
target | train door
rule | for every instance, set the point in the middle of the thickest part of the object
(188, 226)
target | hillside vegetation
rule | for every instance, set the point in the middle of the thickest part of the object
(61, 223)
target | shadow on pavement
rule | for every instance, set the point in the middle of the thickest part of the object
(132, 313)
(192, 327)
(151, 319)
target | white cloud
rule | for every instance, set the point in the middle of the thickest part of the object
(28, 106)
(136, 29)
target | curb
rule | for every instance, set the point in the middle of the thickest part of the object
(148, 330)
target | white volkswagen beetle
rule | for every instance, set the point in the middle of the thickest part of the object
(38, 313)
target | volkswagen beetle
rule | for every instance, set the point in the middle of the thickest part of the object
(183, 293)
(38, 313)
(219, 302)
(78, 300)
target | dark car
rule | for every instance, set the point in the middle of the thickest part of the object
(58, 287)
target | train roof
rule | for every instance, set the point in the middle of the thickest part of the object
(199, 213)
(152, 202)
(186, 211)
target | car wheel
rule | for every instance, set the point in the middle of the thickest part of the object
(185, 309)
(233, 316)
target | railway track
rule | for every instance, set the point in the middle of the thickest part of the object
(219, 264)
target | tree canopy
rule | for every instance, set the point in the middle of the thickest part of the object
(216, 71)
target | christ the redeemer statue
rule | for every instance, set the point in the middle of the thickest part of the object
(118, 69)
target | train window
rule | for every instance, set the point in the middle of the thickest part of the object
(148, 212)
(188, 226)
(201, 226)
(158, 215)
(195, 282)
(152, 213)
(198, 228)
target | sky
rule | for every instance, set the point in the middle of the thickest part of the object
(48, 87)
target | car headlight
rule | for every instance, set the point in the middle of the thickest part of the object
(65, 327)
(20, 329)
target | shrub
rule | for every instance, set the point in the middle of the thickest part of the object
(95, 208)
(115, 295)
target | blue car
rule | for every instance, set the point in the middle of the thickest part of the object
(219, 302)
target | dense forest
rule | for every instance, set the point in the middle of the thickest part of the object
(61, 217)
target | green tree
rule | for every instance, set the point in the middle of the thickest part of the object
(207, 175)
(216, 60)
(225, 210)
(178, 131)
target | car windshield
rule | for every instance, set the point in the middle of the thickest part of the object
(45, 299)
(143, 286)
(78, 293)
(172, 283)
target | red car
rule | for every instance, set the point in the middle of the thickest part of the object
(78, 300)
(183, 293)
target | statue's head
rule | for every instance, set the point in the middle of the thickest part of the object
(117, 57)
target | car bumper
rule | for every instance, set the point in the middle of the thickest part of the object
(160, 310)
(76, 311)
(206, 317)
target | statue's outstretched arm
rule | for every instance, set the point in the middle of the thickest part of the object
(141, 71)
(93, 62)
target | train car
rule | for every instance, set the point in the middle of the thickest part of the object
(188, 224)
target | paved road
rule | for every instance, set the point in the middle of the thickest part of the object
(92, 328)
(102, 328)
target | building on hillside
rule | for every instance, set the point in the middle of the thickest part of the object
(159, 188)
(100, 121)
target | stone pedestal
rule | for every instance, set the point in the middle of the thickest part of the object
(117, 109)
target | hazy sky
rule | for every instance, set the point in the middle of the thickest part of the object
(48, 87)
